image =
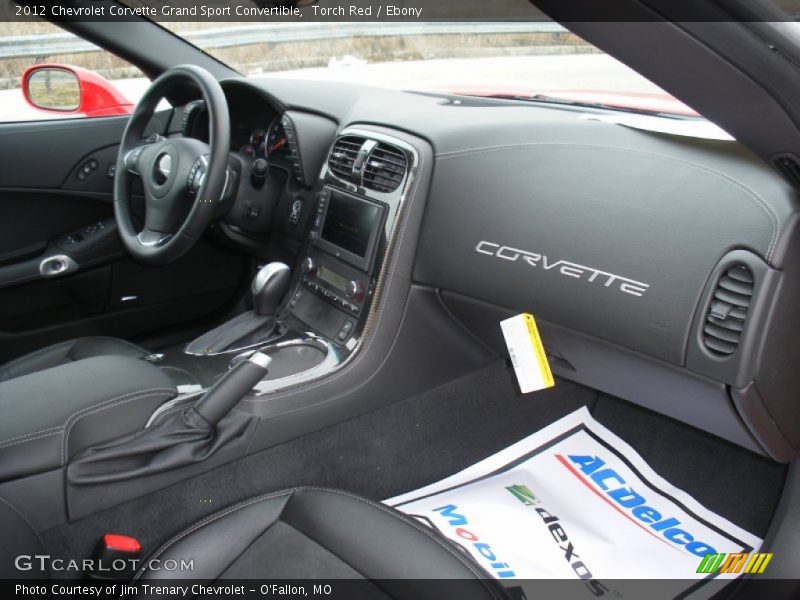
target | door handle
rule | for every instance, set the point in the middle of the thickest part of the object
(57, 265)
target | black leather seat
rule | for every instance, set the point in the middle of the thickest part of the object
(69, 351)
(316, 533)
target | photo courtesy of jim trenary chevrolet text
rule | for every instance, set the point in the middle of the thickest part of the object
(400, 299)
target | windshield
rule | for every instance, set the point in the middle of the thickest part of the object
(537, 60)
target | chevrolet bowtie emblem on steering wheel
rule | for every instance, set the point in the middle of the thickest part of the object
(163, 168)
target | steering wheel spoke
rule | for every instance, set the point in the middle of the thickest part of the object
(153, 239)
(131, 160)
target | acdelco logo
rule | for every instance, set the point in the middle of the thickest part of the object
(605, 482)
(564, 268)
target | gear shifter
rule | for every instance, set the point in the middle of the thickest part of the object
(254, 326)
(269, 287)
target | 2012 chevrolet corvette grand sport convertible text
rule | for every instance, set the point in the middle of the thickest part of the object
(458, 302)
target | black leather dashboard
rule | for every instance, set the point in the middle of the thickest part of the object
(613, 237)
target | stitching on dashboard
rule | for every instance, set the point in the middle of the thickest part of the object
(759, 201)
(482, 577)
(347, 368)
(110, 403)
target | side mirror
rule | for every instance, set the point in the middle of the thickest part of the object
(72, 90)
(53, 89)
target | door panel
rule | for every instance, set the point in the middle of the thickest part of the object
(42, 154)
(56, 200)
(30, 219)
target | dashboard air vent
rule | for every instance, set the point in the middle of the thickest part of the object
(728, 311)
(343, 156)
(385, 168)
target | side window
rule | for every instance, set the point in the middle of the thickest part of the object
(49, 73)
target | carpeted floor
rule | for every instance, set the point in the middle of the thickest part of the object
(435, 434)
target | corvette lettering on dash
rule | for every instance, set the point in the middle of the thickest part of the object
(564, 268)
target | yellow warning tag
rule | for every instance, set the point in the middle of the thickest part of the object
(527, 353)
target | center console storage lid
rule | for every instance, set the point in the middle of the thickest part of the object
(46, 417)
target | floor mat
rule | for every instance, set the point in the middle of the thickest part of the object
(574, 501)
(741, 486)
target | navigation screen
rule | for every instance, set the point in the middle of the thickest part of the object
(349, 223)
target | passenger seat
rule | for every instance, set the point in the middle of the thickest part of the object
(311, 533)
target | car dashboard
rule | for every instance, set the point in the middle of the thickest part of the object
(660, 267)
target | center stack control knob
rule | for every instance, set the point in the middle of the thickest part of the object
(355, 290)
(309, 266)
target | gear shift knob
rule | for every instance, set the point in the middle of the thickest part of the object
(270, 286)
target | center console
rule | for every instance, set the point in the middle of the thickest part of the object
(310, 318)
(338, 272)
(364, 184)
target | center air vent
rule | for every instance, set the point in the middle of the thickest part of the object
(728, 311)
(343, 156)
(375, 165)
(385, 169)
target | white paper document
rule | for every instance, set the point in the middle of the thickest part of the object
(574, 501)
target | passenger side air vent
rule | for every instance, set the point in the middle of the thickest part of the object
(343, 156)
(728, 311)
(385, 168)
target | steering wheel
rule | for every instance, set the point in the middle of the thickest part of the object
(184, 179)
